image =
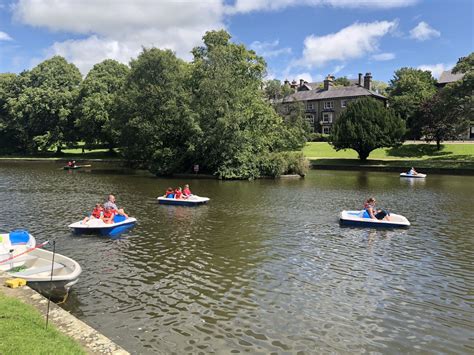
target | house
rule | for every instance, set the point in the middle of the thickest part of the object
(324, 105)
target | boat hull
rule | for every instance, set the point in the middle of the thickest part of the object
(351, 218)
(409, 176)
(108, 230)
(56, 290)
(196, 201)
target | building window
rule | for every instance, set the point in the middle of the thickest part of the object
(326, 130)
(309, 118)
(309, 106)
(328, 104)
(343, 103)
(327, 117)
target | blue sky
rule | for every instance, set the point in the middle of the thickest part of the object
(298, 38)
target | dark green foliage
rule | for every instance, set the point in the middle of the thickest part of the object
(10, 130)
(367, 125)
(157, 128)
(239, 126)
(279, 163)
(318, 137)
(96, 102)
(408, 89)
(275, 90)
(44, 103)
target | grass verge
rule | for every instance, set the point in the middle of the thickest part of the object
(22, 330)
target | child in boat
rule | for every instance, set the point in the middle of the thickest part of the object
(371, 212)
(178, 193)
(186, 191)
(96, 213)
(169, 193)
(412, 171)
(108, 216)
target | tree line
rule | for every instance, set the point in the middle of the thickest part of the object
(160, 112)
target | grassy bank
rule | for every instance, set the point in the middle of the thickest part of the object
(452, 156)
(22, 330)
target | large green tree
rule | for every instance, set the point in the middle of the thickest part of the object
(366, 125)
(275, 90)
(45, 102)
(156, 125)
(95, 103)
(10, 130)
(408, 89)
(239, 126)
(447, 114)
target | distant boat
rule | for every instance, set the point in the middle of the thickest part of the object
(73, 167)
(35, 266)
(413, 176)
(97, 226)
(192, 200)
(355, 218)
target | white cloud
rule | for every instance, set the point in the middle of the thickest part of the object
(436, 69)
(5, 37)
(305, 76)
(338, 68)
(351, 42)
(423, 32)
(383, 56)
(244, 6)
(269, 49)
(118, 30)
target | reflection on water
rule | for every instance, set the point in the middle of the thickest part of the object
(265, 267)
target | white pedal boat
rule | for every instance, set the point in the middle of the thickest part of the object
(355, 218)
(413, 176)
(192, 200)
(97, 226)
(12, 244)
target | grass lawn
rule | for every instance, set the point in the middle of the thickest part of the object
(451, 156)
(22, 330)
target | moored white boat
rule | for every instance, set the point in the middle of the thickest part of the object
(356, 218)
(413, 176)
(37, 268)
(192, 200)
(13, 244)
(97, 226)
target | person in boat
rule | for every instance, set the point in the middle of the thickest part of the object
(178, 193)
(96, 213)
(111, 203)
(108, 216)
(412, 171)
(74, 164)
(371, 212)
(169, 193)
(186, 192)
(69, 164)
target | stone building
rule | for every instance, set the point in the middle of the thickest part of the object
(323, 105)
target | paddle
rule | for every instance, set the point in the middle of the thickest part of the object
(25, 252)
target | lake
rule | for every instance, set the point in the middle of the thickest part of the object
(264, 267)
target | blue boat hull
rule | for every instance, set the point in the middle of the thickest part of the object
(182, 203)
(369, 224)
(109, 232)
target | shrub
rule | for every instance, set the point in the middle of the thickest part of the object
(277, 164)
(318, 137)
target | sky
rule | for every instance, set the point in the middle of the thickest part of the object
(299, 39)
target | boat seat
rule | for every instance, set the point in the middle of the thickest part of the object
(38, 270)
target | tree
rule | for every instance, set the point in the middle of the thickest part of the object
(407, 91)
(97, 96)
(296, 129)
(380, 87)
(342, 81)
(239, 126)
(10, 131)
(448, 114)
(275, 90)
(157, 128)
(367, 125)
(45, 102)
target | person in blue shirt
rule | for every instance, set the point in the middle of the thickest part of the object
(372, 212)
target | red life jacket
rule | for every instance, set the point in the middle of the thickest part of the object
(109, 213)
(97, 212)
(186, 191)
(177, 194)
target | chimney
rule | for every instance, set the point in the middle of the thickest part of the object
(328, 82)
(301, 82)
(360, 80)
(287, 82)
(368, 81)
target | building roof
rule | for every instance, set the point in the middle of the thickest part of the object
(332, 93)
(447, 77)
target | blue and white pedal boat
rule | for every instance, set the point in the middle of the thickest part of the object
(11, 245)
(413, 176)
(192, 200)
(356, 218)
(97, 226)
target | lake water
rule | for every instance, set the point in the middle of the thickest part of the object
(265, 267)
